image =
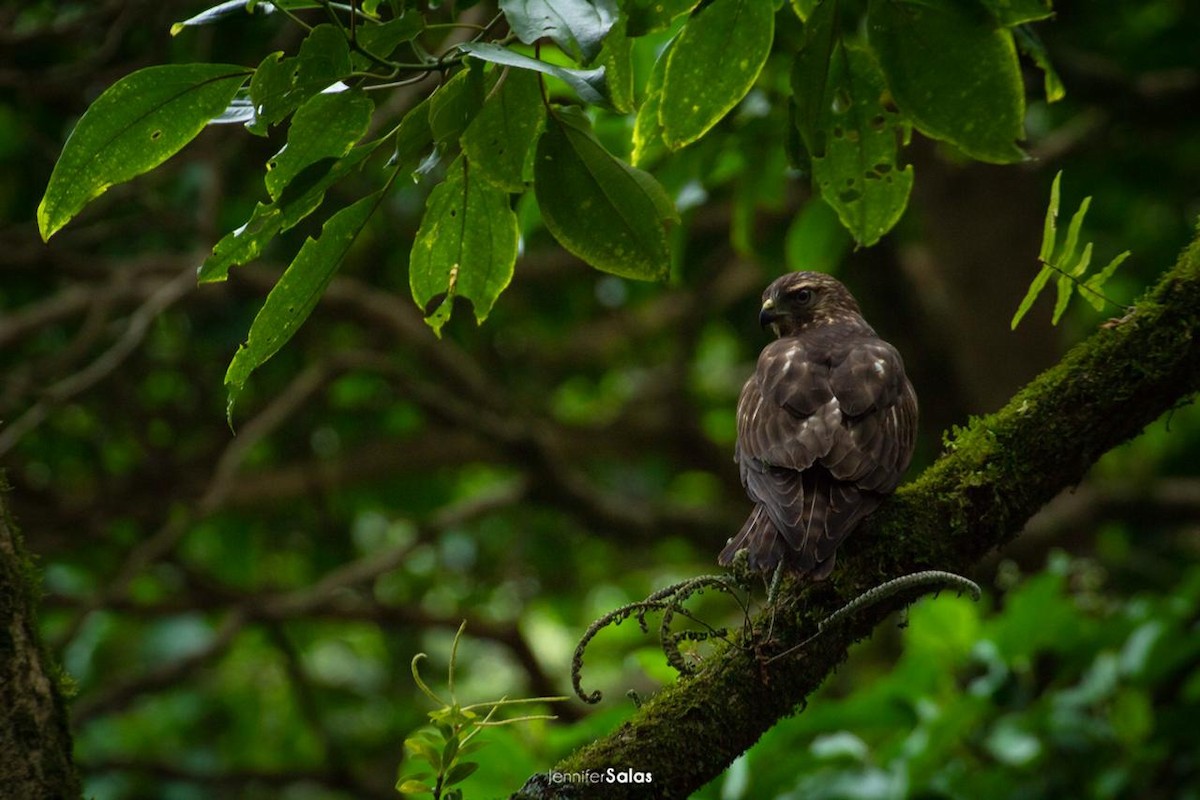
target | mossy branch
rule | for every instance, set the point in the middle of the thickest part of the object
(995, 475)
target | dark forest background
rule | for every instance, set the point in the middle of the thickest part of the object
(235, 614)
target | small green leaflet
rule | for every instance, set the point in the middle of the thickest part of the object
(647, 131)
(953, 72)
(1066, 262)
(135, 125)
(577, 26)
(713, 64)
(608, 213)
(466, 246)
(297, 292)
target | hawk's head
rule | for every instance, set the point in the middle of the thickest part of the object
(800, 299)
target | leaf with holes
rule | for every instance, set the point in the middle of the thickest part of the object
(297, 292)
(135, 125)
(280, 85)
(608, 213)
(860, 174)
(712, 66)
(466, 246)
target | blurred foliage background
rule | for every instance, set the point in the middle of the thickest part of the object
(238, 612)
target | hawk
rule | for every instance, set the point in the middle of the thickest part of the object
(825, 427)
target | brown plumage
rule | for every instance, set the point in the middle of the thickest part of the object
(826, 426)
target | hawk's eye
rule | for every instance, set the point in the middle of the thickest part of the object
(803, 297)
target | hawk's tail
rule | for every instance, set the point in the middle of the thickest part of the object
(766, 548)
(762, 543)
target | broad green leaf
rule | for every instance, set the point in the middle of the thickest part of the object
(281, 84)
(135, 125)
(810, 76)
(424, 750)
(454, 105)
(466, 246)
(499, 142)
(414, 137)
(647, 131)
(1015, 12)
(382, 40)
(645, 16)
(302, 196)
(1031, 45)
(816, 239)
(589, 84)
(297, 292)
(409, 786)
(953, 72)
(1050, 226)
(712, 66)
(608, 213)
(326, 126)
(860, 174)
(1035, 288)
(617, 59)
(460, 772)
(577, 26)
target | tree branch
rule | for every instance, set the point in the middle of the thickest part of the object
(976, 497)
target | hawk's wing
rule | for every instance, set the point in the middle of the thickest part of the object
(825, 430)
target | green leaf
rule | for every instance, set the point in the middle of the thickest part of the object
(280, 85)
(214, 14)
(1050, 227)
(297, 292)
(414, 137)
(135, 125)
(647, 131)
(383, 39)
(454, 105)
(589, 84)
(466, 246)
(409, 786)
(577, 26)
(712, 66)
(953, 72)
(860, 174)
(1035, 288)
(1096, 283)
(500, 140)
(645, 16)
(606, 212)
(1064, 259)
(804, 8)
(816, 239)
(460, 772)
(424, 750)
(326, 126)
(1031, 45)
(302, 196)
(1067, 284)
(1015, 12)
(617, 59)
(810, 76)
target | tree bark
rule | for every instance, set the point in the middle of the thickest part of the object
(994, 475)
(35, 739)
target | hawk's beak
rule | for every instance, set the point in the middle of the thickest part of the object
(768, 315)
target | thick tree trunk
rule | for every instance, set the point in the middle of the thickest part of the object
(976, 497)
(35, 740)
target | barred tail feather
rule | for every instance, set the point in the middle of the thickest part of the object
(758, 536)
